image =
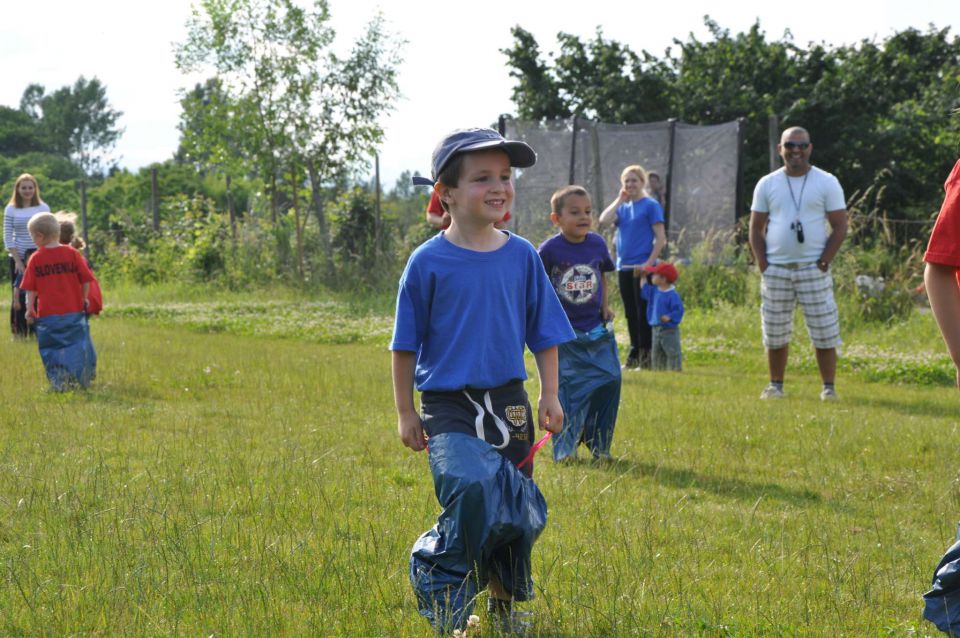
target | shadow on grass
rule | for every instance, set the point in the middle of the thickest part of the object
(721, 486)
(921, 407)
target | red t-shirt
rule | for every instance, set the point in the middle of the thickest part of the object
(435, 209)
(944, 246)
(57, 276)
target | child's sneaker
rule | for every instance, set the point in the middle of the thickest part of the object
(828, 394)
(774, 391)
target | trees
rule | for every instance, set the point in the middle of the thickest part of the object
(76, 121)
(280, 100)
(878, 112)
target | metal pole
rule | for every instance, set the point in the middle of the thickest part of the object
(233, 215)
(669, 185)
(376, 219)
(573, 153)
(773, 125)
(741, 143)
(83, 218)
(155, 199)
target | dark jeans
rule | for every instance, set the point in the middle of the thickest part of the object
(635, 308)
(18, 318)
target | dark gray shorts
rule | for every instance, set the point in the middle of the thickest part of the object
(500, 416)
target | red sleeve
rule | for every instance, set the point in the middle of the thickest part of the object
(944, 246)
(83, 270)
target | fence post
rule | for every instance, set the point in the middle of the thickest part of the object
(741, 145)
(83, 218)
(669, 185)
(233, 215)
(573, 153)
(154, 199)
(376, 219)
(773, 132)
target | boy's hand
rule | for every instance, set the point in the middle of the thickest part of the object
(550, 413)
(411, 431)
(29, 316)
(606, 313)
(664, 318)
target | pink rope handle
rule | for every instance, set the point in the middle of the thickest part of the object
(534, 449)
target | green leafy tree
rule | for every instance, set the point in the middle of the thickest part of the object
(295, 107)
(76, 121)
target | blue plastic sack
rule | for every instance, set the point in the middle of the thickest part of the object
(492, 514)
(67, 350)
(942, 602)
(589, 393)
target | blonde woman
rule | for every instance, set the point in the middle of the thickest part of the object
(641, 236)
(24, 204)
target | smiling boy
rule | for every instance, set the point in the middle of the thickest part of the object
(469, 300)
(577, 261)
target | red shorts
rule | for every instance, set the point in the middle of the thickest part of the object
(944, 246)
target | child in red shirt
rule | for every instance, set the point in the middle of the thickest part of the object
(57, 282)
(942, 276)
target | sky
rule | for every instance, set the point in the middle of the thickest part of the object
(452, 75)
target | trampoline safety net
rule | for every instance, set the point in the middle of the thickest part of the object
(699, 166)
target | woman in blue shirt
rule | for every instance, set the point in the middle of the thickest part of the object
(640, 239)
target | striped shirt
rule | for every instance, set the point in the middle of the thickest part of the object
(15, 233)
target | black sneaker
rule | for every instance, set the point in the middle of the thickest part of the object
(633, 363)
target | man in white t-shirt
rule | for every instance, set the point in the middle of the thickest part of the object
(793, 246)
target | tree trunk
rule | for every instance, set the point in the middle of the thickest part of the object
(296, 220)
(316, 200)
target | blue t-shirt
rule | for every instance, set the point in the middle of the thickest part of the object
(635, 236)
(576, 272)
(468, 314)
(662, 302)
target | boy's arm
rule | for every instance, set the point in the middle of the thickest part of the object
(605, 313)
(943, 290)
(549, 411)
(31, 304)
(408, 421)
(86, 293)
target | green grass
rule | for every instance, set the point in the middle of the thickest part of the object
(223, 484)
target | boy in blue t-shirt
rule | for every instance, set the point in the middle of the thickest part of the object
(577, 261)
(664, 312)
(469, 300)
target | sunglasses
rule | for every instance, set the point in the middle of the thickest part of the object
(792, 145)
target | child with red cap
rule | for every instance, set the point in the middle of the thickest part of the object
(664, 313)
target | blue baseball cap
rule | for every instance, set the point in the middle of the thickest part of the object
(475, 139)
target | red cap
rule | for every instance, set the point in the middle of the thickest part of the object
(668, 271)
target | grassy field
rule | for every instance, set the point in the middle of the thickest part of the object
(250, 482)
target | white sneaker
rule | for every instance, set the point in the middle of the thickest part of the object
(828, 394)
(772, 392)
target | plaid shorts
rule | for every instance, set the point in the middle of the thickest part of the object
(781, 287)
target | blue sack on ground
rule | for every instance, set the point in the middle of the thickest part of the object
(492, 514)
(67, 350)
(942, 602)
(589, 393)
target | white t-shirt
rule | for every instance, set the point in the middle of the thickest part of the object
(813, 196)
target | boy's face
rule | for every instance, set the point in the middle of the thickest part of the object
(658, 280)
(39, 238)
(575, 218)
(485, 190)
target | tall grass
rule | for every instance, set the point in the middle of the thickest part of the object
(228, 485)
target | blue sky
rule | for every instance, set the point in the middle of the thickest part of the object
(128, 44)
